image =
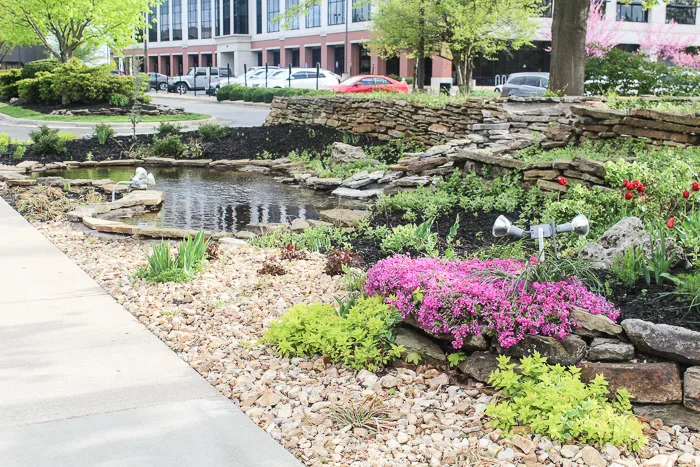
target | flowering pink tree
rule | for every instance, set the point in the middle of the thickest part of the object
(661, 42)
(601, 35)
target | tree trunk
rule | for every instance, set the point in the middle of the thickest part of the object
(420, 52)
(569, 22)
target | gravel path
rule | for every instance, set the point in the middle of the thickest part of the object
(214, 324)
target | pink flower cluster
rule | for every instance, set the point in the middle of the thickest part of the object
(470, 297)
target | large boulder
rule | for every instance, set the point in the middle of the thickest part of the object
(568, 351)
(610, 350)
(649, 383)
(342, 153)
(479, 365)
(627, 233)
(594, 325)
(673, 414)
(413, 342)
(469, 342)
(343, 217)
(671, 342)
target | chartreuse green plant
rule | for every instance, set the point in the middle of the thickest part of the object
(363, 338)
(553, 401)
(628, 267)
(4, 142)
(408, 237)
(321, 238)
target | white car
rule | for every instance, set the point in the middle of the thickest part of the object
(258, 79)
(253, 71)
(304, 78)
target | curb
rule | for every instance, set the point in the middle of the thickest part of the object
(205, 99)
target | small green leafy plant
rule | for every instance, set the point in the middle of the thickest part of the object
(213, 132)
(168, 129)
(118, 100)
(168, 146)
(411, 237)
(163, 267)
(47, 141)
(103, 132)
(688, 290)
(628, 267)
(18, 153)
(363, 338)
(658, 263)
(553, 401)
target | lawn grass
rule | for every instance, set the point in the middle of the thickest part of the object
(27, 114)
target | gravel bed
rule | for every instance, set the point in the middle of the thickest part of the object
(214, 324)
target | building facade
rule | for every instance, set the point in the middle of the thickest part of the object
(239, 33)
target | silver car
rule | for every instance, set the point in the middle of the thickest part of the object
(526, 84)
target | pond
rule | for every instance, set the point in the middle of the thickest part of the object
(209, 199)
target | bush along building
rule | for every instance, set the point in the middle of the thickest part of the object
(240, 33)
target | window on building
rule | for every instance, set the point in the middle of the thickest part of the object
(206, 19)
(152, 25)
(294, 22)
(217, 18)
(192, 31)
(227, 17)
(258, 19)
(681, 11)
(177, 20)
(273, 10)
(313, 16)
(336, 12)
(360, 11)
(164, 21)
(240, 17)
(633, 13)
(546, 11)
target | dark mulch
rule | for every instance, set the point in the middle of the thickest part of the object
(242, 143)
(473, 233)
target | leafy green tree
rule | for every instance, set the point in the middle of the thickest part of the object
(69, 25)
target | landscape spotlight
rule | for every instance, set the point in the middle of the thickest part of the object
(578, 225)
(139, 181)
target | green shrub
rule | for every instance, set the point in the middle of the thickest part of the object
(47, 141)
(31, 69)
(118, 100)
(168, 129)
(9, 84)
(212, 131)
(410, 237)
(553, 401)
(103, 132)
(39, 90)
(322, 238)
(394, 150)
(168, 146)
(19, 151)
(363, 338)
(4, 142)
(163, 267)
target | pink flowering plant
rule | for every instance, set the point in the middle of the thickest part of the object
(471, 297)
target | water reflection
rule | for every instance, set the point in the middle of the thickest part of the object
(210, 199)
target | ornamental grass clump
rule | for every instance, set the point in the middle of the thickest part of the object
(553, 401)
(471, 297)
(163, 267)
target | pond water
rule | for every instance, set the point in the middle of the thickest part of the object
(209, 199)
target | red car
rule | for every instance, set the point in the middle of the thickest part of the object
(371, 83)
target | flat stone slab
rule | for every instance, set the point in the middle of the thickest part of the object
(343, 217)
(357, 194)
(12, 175)
(649, 383)
(164, 232)
(103, 225)
(673, 414)
(149, 198)
(672, 342)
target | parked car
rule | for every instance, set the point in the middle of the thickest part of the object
(253, 71)
(258, 78)
(158, 81)
(370, 83)
(526, 84)
(118, 73)
(197, 78)
(304, 78)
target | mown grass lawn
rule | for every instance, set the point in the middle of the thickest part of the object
(20, 112)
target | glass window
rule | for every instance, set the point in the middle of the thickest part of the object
(206, 19)
(226, 11)
(367, 81)
(546, 11)
(517, 81)
(532, 81)
(300, 75)
(545, 82)
(336, 12)
(152, 26)
(313, 16)
(258, 18)
(192, 32)
(294, 22)
(681, 11)
(240, 17)
(273, 10)
(217, 18)
(381, 81)
(633, 13)
(177, 20)
(164, 21)
(360, 11)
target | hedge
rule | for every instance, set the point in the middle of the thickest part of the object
(8, 84)
(236, 92)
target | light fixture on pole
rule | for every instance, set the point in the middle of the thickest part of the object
(140, 181)
(578, 225)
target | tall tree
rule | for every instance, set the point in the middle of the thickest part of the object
(569, 22)
(64, 27)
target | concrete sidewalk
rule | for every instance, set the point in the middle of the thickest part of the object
(83, 383)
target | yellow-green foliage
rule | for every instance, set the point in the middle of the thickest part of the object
(554, 402)
(364, 338)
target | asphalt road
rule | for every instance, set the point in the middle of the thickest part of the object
(232, 115)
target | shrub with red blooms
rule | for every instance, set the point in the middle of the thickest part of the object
(290, 252)
(471, 297)
(273, 269)
(339, 258)
(631, 187)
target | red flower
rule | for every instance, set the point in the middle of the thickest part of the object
(562, 181)
(686, 194)
(629, 195)
(671, 222)
(629, 185)
(641, 188)
(636, 183)
(696, 186)
(625, 182)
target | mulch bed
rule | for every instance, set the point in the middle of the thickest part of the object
(650, 304)
(242, 143)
